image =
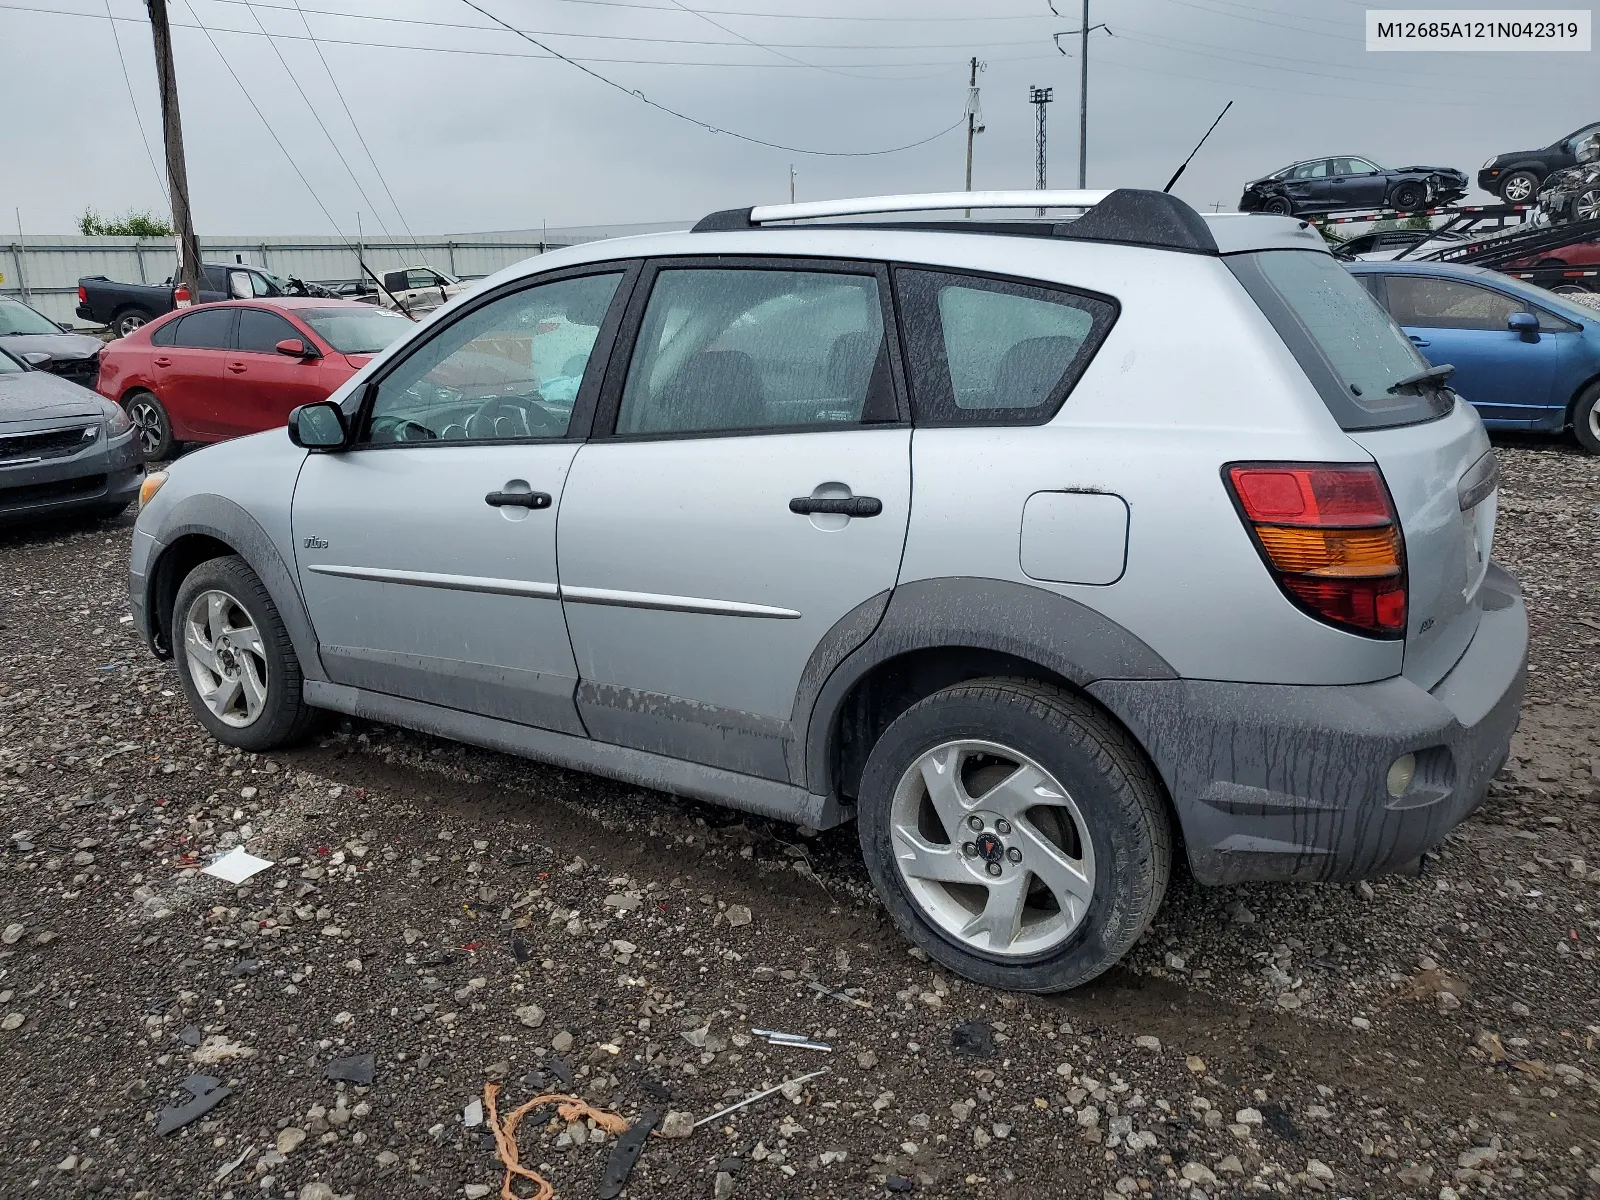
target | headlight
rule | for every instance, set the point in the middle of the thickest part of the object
(1487, 163)
(118, 423)
(151, 485)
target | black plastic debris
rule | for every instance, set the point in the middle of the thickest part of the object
(189, 1035)
(207, 1092)
(519, 949)
(975, 1039)
(357, 1069)
(245, 966)
(656, 1090)
(625, 1153)
(731, 1165)
(535, 1081)
(899, 1183)
(558, 1067)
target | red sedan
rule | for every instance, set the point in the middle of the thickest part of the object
(218, 371)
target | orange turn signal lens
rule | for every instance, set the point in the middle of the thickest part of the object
(151, 485)
(1358, 553)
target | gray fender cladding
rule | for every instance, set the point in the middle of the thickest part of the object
(1029, 623)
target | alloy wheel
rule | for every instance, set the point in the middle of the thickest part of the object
(1594, 423)
(992, 849)
(128, 323)
(1587, 206)
(147, 420)
(226, 658)
(1517, 189)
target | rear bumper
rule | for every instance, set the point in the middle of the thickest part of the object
(1278, 782)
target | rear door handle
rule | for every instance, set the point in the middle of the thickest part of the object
(163, 362)
(846, 506)
(238, 368)
(1416, 341)
(518, 499)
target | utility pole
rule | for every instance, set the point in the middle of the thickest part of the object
(791, 183)
(974, 115)
(172, 129)
(1083, 32)
(1039, 97)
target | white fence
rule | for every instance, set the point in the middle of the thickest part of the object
(45, 271)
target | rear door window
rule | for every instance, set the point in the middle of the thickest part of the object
(1349, 348)
(995, 351)
(208, 329)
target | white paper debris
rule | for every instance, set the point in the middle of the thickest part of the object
(472, 1115)
(237, 865)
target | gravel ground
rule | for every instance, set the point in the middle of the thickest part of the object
(463, 917)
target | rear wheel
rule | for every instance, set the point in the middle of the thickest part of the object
(1586, 205)
(149, 417)
(1586, 418)
(129, 319)
(1519, 187)
(235, 661)
(1279, 206)
(1015, 834)
(1408, 196)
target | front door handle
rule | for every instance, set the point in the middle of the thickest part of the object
(238, 368)
(163, 362)
(846, 506)
(518, 499)
(1416, 341)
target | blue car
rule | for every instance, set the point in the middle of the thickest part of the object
(1524, 357)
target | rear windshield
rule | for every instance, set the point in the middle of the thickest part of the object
(1349, 348)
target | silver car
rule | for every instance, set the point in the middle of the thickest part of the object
(1043, 549)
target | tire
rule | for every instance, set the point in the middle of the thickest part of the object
(1103, 838)
(1586, 205)
(1586, 418)
(126, 320)
(1278, 206)
(1519, 187)
(1408, 196)
(253, 684)
(153, 425)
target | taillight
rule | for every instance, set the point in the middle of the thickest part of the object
(1330, 536)
(83, 294)
(180, 297)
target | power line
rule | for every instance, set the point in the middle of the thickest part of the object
(133, 104)
(377, 170)
(317, 117)
(706, 125)
(725, 12)
(759, 46)
(243, 91)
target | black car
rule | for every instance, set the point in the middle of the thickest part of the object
(63, 448)
(1516, 177)
(55, 348)
(1323, 185)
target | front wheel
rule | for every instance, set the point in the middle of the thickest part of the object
(1586, 418)
(1408, 196)
(1519, 187)
(235, 661)
(1015, 834)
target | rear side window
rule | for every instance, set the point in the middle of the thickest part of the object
(165, 334)
(1347, 345)
(994, 351)
(207, 329)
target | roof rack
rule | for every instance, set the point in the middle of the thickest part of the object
(1132, 216)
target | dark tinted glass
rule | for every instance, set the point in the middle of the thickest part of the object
(1347, 345)
(989, 350)
(165, 334)
(261, 331)
(207, 329)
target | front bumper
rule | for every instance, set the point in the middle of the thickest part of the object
(1275, 782)
(102, 475)
(1489, 179)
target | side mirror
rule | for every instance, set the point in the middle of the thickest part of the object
(239, 285)
(318, 426)
(35, 358)
(1524, 323)
(66, 327)
(297, 348)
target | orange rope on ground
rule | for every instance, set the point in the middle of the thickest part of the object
(570, 1108)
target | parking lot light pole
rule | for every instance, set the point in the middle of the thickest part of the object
(172, 131)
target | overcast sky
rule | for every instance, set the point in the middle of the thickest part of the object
(475, 129)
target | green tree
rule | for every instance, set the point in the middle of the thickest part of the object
(133, 223)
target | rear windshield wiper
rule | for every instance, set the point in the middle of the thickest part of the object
(1432, 375)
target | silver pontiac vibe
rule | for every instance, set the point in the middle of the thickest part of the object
(1037, 546)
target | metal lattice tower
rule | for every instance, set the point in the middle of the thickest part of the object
(1039, 97)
